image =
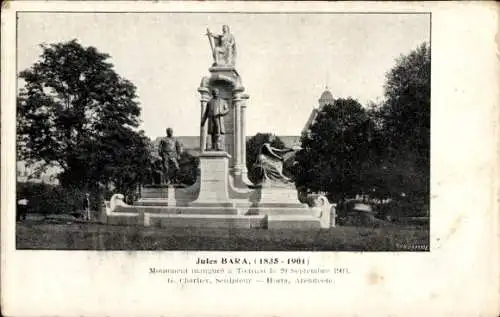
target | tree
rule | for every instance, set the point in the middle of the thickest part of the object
(188, 168)
(406, 108)
(253, 147)
(126, 167)
(335, 151)
(77, 113)
(405, 122)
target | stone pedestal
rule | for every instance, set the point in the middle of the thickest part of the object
(214, 169)
(154, 192)
(279, 195)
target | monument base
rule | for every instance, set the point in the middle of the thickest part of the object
(214, 168)
(154, 192)
(205, 221)
(292, 222)
(243, 215)
(285, 196)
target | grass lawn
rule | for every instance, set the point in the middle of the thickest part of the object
(92, 236)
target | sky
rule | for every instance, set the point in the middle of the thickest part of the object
(285, 60)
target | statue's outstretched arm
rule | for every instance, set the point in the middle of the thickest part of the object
(272, 151)
(285, 150)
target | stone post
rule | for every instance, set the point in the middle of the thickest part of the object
(204, 98)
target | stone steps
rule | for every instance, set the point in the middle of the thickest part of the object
(165, 217)
(293, 222)
(161, 206)
(156, 192)
(281, 211)
(178, 210)
(204, 221)
(151, 202)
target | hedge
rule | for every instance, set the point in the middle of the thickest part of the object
(55, 199)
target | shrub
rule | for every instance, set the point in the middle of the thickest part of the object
(343, 210)
(402, 208)
(55, 199)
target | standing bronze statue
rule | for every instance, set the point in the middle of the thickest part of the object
(170, 150)
(224, 51)
(216, 109)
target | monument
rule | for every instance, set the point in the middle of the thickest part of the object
(222, 195)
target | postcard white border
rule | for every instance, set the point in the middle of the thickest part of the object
(459, 277)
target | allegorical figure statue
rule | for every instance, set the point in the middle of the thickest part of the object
(271, 162)
(216, 109)
(224, 50)
(170, 150)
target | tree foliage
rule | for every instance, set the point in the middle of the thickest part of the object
(77, 113)
(382, 150)
(334, 151)
(253, 146)
(405, 123)
(406, 109)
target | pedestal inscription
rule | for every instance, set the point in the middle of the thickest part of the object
(214, 168)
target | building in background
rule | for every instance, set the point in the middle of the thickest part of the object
(326, 98)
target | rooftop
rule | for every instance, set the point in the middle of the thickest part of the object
(326, 98)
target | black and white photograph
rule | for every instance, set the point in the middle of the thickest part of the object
(249, 158)
(223, 131)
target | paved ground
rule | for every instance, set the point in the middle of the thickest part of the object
(91, 236)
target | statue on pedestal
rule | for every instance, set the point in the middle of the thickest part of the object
(214, 113)
(224, 50)
(170, 150)
(271, 162)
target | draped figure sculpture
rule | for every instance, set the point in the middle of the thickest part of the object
(272, 161)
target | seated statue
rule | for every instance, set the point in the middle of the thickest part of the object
(271, 162)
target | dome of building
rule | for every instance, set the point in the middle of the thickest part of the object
(326, 98)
